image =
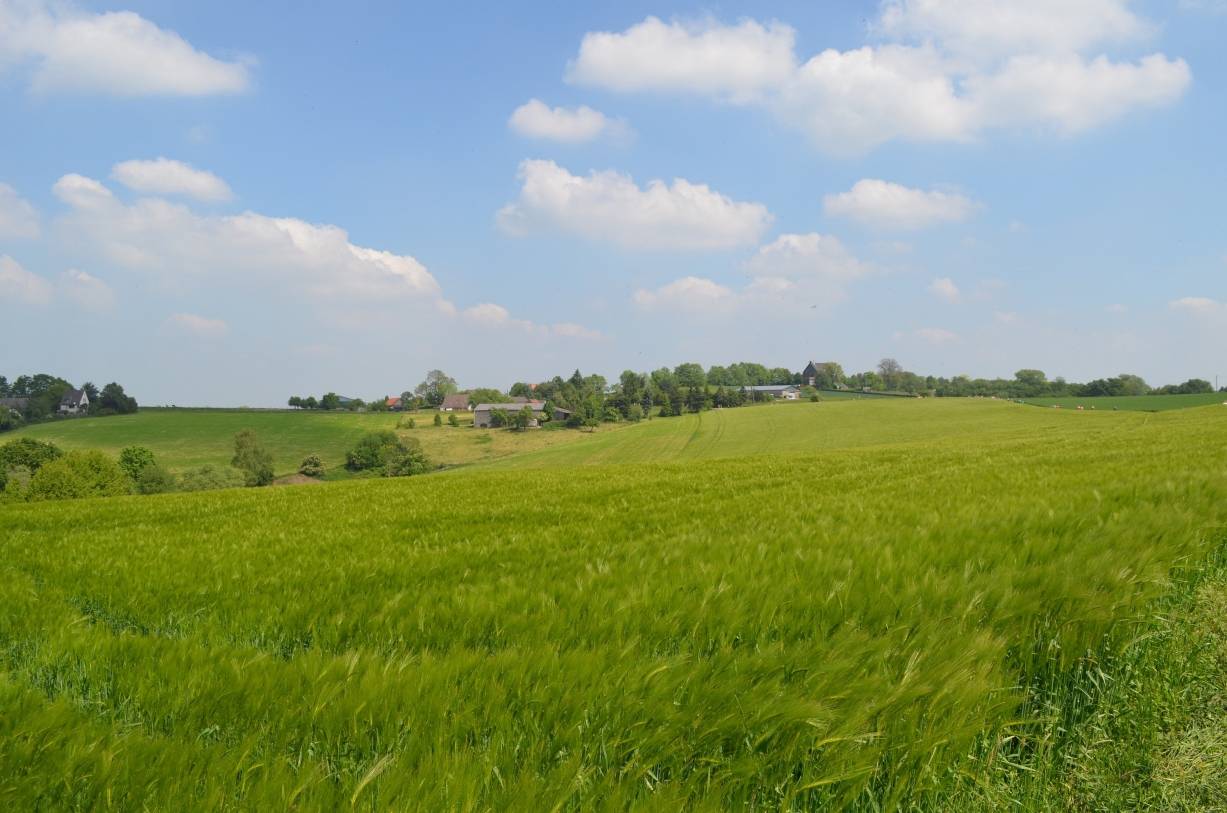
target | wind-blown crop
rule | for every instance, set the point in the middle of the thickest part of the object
(797, 631)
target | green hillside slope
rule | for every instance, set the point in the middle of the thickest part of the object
(839, 622)
(804, 428)
(1139, 403)
(186, 438)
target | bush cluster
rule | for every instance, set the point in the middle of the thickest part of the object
(387, 452)
(36, 471)
(311, 466)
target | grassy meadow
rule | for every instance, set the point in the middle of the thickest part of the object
(869, 605)
(187, 438)
(1139, 403)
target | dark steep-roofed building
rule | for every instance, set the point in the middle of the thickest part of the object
(74, 402)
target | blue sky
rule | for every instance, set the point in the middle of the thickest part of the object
(230, 203)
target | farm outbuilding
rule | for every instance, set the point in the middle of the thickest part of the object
(784, 392)
(482, 412)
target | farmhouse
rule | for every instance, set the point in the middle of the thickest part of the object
(455, 403)
(393, 403)
(74, 402)
(482, 412)
(784, 392)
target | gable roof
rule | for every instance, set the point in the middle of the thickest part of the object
(14, 403)
(73, 398)
(512, 407)
(457, 400)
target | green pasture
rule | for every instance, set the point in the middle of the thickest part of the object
(1139, 403)
(187, 438)
(863, 605)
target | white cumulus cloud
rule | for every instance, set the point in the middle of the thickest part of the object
(536, 119)
(171, 240)
(738, 62)
(182, 249)
(944, 288)
(610, 206)
(162, 176)
(893, 206)
(117, 52)
(943, 70)
(1070, 94)
(794, 272)
(687, 294)
(86, 290)
(806, 256)
(1198, 305)
(198, 326)
(990, 28)
(18, 218)
(488, 314)
(19, 286)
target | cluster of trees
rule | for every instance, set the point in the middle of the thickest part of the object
(890, 376)
(42, 393)
(1035, 384)
(430, 393)
(516, 419)
(329, 400)
(665, 392)
(689, 387)
(34, 471)
(386, 453)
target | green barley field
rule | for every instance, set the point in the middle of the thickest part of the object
(862, 605)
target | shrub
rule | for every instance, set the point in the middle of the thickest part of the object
(209, 478)
(499, 417)
(311, 466)
(134, 459)
(372, 450)
(11, 491)
(406, 461)
(9, 419)
(521, 420)
(27, 453)
(154, 479)
(634, 413)
(438, 419)
(387, 451)
(252, 459)
(77, 475)
(452, 420)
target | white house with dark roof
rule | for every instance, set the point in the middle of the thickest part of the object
(74, 402)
